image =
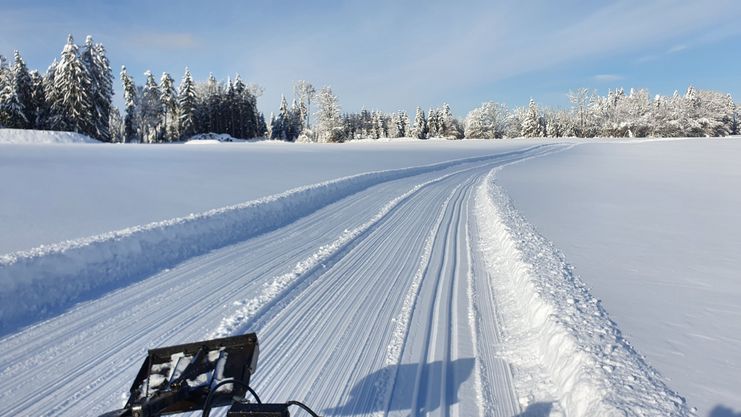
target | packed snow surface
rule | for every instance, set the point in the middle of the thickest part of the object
(41, 137)
(390, 279)
(654, 229)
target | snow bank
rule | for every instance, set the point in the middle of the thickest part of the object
(25, 136)
(596, 371)
(211, 138)
(47, 279)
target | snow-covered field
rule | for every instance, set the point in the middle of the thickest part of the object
(654, 229)
(391, 279)
(67, 192)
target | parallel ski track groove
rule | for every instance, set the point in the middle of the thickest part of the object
(318, 307)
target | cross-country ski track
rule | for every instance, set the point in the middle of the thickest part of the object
(380, 303)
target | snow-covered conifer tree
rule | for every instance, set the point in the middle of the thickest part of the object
(23, 87)
(46, 117)
(378, 128)
(398, 125)
(3, 70)
(131, 119)
(247, 116)
(116, 126)
(187, 101)
(262, 128)
(72, 105)
(404, 127)
(151, 109)
(419, 128)
(270, 124)
(531, 122)
(446, 122)
(101, 86)
(280, 126)
(169, 104)
(734, 122)
(434, 124)
(11, 109)
(38, 100)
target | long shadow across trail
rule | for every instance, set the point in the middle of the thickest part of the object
(723, 411)
(537, 410)
(362, 399)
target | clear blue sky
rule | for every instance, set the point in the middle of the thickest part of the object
(393, 54)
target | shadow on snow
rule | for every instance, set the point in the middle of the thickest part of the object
(441, 393)
(723, 411)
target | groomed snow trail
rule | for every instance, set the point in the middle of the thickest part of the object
(329, 336)
(383, 302)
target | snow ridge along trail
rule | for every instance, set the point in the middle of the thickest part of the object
(48, 279)
(544, 305)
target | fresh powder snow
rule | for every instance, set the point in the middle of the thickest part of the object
(653, 229)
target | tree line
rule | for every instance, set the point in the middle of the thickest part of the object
(75, 94)
(696, 113)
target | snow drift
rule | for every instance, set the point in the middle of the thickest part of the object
(47, 279)
(25, 136)
(596, 371)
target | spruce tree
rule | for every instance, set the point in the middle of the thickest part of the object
(101, 86)
(46, 118)
(151, 109)
(211, 105)
(116, 126)
(4, 70)
(434, 124)
(131, 128)
(188, 101)
(72, 104)
(11, 109)
(280, 124)
(262, 127)
(403, 127)
(23, 87)
(446, 116)
(248, 119)
(38, 100)
(379, 128)
(531, 122)
(419, 129)
(169, 104)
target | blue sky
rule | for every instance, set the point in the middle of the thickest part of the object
(391, 55)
